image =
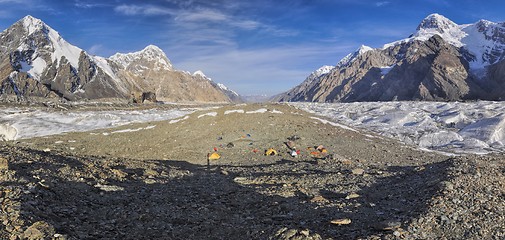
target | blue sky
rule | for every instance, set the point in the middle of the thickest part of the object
(252, 46)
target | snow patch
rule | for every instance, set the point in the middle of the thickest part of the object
(261, 110)
(133, 130)
(234, 111)
(333, 124)
(210, 114)
(386, 70)
(7, 132)
(178, 120)
(37, 68)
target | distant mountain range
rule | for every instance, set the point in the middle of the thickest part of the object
(441, 61)
(36, 62)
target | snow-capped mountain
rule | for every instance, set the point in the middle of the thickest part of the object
(484, 40)
(441, 60)
(351, 57)
(234, 96)
(310, 82)
(150, 53)
(35, 61)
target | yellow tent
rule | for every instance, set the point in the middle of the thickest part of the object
(213, 156)
(270, 152)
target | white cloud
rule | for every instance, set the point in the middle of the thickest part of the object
(81, 4)
(14, 1)
(202, 15)
(146, 10)
(211, 16)
(383, 3)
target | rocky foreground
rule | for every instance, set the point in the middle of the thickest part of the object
(156, 184)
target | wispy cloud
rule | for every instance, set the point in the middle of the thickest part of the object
(88, 4)
(249, 71)
(146, 10)
(14, 1)
(16, 6)
(202, 15)
(383, 3)
(187, 17)
(95, 49)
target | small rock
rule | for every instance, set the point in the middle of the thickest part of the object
(289, 233)
(305, 232)
(341, 221)
(150, 181)
(224, 172)
(240, 180)
(109, 188)
(319, 199)
(119, 173)
(150, 173)
(352, 196)
(346, 161)
(420, 168)
(358, 171)
(4, 164)
(448, 186)
(39, 230)
(58, 236)
(294, 138)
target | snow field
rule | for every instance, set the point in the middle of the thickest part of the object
(22, 124)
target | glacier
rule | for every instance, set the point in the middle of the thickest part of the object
(450, 127)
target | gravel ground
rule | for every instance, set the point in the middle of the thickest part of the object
(157, 184)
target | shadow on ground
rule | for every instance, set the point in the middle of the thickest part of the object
(100, 198)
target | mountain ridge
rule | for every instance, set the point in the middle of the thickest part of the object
(441, 61)
(38, 63)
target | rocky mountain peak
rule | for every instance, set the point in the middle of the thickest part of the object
(150, 54)
(491, 30)
(201, 74)
(153, 50)
(352, 56)
(363, 49)
(440, 61)
(38, 63)
(32, 24)
(437, 22)
(323, 70)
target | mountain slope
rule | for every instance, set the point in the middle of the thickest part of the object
(149, 70)
(440, 61)
(36, 61)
